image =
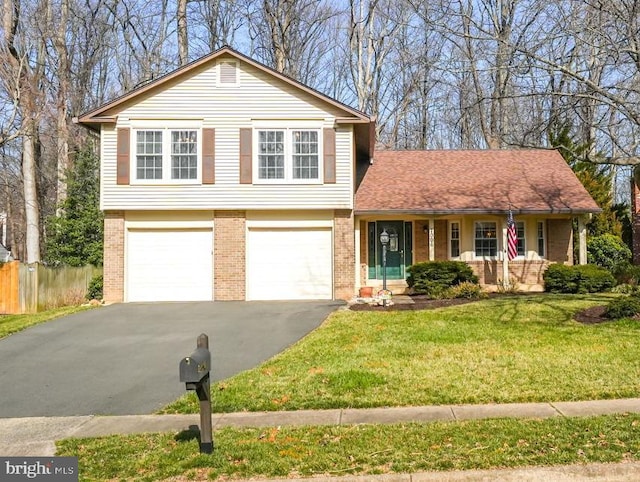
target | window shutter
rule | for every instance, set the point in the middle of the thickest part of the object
(208, 156)
(123, 159)
(329, 150)
(245, 156)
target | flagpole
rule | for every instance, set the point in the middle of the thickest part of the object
(505, 256)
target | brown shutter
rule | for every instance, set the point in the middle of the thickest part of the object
(245, 156)
(208, 156)
(329, 149)
(123, 155)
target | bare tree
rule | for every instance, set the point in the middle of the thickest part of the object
(25, 66)
(183, 37)
(289, 35)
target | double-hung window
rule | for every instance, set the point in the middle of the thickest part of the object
(485, 239)
(541, 239)
(454, 239)
(166, 155)
(288, 155)
(521, 238)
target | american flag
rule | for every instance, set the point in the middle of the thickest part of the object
(512, 237)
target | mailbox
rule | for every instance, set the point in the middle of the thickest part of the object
(194, 372)
(195, 368)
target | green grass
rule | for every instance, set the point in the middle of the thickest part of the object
(508, 349)
(10, 324)
(359, 449)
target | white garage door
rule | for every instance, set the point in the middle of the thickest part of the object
(169, 265)
(289, 264)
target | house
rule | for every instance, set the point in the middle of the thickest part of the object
(453, 205)
(226, 180)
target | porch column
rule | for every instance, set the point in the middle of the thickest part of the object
(582, 234)
(432, 240)
(505, 256)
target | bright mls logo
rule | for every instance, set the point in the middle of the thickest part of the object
(54, 469)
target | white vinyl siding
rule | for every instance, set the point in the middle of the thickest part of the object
(257, 97)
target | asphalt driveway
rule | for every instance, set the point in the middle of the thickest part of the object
(123, 359)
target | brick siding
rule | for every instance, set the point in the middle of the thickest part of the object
(229, 248)
(113, 270)
(343, 255)
(560, 241)
(364, 253)
(523, 272)
(421, 242)
(441, 239)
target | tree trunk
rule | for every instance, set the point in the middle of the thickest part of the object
(183, 39)
(31, 208)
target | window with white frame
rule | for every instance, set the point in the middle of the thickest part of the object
(521, 247)
(289, 155)
(541, 239)
(454, 239)
(485, 239)
(166, 154)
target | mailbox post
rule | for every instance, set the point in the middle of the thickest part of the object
(194, 372)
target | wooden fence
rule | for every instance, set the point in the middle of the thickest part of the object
(32, 288)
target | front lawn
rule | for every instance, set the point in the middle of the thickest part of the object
(14, 323)
(359, 449)
(508, 349)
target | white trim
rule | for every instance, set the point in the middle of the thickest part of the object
(288, 128)
(498, 247)
(524, 239)
(544, 239)
(450, 222)
(166, 128)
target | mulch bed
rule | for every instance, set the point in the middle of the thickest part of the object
(419, 303)
(590, 316)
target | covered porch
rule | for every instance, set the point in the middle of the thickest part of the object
(479, 240)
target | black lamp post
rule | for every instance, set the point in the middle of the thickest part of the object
(384, 239)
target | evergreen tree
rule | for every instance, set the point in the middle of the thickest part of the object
(597, 179)
(75, 236)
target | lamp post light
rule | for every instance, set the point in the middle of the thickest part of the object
(384, 239)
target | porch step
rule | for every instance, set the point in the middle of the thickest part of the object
(397, 287)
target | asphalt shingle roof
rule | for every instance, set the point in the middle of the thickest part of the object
(484, 181)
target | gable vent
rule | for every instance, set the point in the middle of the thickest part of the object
(228, 73)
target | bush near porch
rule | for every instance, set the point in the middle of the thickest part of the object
(587, 278)
(434, 278)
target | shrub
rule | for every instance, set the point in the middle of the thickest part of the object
(559, 278)
(94, 292)
(626, 273)
(626, 289)
(434, 277)
(623, 308)
(607, 251)
(466, 289)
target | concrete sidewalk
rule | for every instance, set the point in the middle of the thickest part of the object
(36, 436)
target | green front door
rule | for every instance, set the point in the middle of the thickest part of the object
(399, 250)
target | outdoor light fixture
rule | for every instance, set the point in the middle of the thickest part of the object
(384, 240)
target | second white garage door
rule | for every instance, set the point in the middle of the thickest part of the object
(289, 264)
(169, 265)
